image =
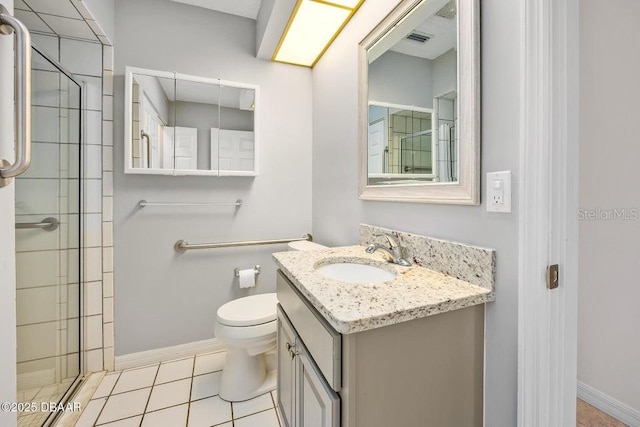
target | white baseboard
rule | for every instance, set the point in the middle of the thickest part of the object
(134, 360)
(609, 405)
(30, 380)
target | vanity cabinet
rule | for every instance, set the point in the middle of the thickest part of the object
(286, 369)
(419, 373)
(304, 397)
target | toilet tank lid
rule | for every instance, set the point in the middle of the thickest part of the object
(249, 311)
(304, 245)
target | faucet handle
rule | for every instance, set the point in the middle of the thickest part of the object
(393, 243)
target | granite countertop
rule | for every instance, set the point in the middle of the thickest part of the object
(416, 292)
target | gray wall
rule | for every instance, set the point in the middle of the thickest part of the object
(445, 69)
(401, 79)
(608, 343)
(337, 210)
(162, 298)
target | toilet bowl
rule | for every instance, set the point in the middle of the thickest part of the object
(247, 326)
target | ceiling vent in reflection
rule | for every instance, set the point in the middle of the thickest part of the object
(449, 10)
(418, 37)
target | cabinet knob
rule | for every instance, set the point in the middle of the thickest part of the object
(291, 348)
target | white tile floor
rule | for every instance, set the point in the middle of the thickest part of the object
(51, 393)
(179, 393)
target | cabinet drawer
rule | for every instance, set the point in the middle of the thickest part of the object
(322, 341)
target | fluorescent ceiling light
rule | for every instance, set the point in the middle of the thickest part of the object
(313, 25)
(351, 4)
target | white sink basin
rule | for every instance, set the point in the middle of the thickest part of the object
(355, 273)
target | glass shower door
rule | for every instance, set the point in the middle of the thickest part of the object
(48, 244)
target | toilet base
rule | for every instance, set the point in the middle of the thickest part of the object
(245, 377)
(269, 384)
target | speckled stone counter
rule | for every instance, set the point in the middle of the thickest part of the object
(416, 291)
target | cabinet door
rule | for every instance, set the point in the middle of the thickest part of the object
(318, 405)
(286, 369)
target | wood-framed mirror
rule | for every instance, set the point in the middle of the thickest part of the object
(419, 104)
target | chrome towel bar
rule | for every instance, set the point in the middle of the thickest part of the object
(143, 203)
(47, 224)
(183, 246)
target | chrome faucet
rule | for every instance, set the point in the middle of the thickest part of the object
(393, 250)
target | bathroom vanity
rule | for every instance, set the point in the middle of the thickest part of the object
(401, 352)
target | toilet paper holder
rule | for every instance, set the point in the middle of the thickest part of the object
(256, 271)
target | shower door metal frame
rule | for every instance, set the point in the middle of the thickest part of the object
(53, 417)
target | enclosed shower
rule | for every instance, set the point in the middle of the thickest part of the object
(49, 243)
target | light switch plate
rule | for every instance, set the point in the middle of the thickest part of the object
(499, 192)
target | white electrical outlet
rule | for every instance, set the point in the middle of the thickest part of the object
(499, 192)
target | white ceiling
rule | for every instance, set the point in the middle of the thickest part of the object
(443, 38)
(246, 8)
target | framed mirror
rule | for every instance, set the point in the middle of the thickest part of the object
(177, 124)
(419, 104)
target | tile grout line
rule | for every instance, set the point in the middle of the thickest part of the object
(159, 384)
(275, 407)
(117, 394)
(255, 413)
(193, 370)
(119, 374)
(106, 398)
(150, 393)
(233, 418)
(154, 384)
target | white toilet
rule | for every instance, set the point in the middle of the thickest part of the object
(248, 328)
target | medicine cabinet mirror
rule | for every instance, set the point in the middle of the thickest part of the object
(420, 104)
(176, 124)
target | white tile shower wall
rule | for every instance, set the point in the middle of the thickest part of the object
(84, 59)
(92, 65)
(107, 208)
(446, 115)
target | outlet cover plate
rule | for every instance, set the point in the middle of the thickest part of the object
(499, 192)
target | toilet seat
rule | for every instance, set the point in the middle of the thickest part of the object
(248, 311)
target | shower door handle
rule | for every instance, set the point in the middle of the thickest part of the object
(9, 25)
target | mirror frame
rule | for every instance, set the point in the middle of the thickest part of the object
(128, 124)
(466, 191)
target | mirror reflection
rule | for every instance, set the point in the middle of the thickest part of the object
(151, 100)
(185, 125)
(412, 99)
(235, 141)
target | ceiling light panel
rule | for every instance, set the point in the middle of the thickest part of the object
(311, 28)
(351, 4)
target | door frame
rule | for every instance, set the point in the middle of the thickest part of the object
(8, 367)
(548, 225)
